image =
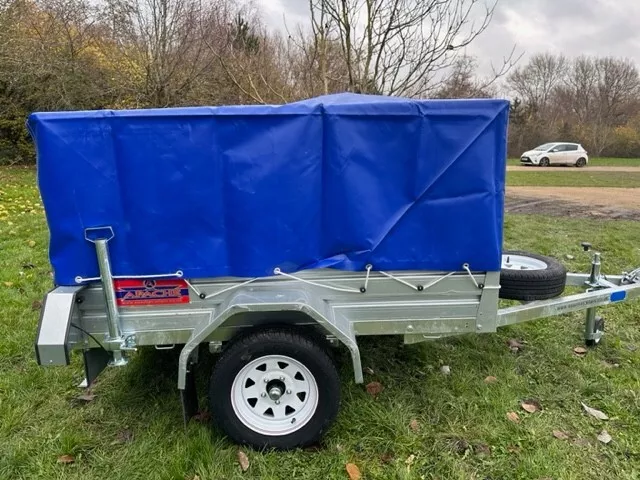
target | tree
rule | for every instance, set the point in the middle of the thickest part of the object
(46, 64)
(243, 36)
(462, 81)
(536, 81)
(257, 63)
(600, 94)
(164, 41)
(397, 47)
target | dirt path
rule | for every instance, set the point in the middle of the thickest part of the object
(589, 202)
(522, 168)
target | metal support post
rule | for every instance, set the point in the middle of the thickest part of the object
(114, 341)
(594, 277)
(592, 333)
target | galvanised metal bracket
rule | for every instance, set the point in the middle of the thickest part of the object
(295, 300)
(115, 341)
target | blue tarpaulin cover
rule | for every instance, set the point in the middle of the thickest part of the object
(338, 181)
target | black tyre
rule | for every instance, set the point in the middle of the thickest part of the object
(528, 276)
(275, 388)
(581, 162)
(544, 162)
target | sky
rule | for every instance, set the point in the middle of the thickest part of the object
(571, 27)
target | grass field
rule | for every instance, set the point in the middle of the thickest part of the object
(133, 430)
(599, 162)
(582, 178)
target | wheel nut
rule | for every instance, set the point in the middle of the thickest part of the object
(282, 379)
(277, 402)
(263, 394)
(266, 380)
(289, 392)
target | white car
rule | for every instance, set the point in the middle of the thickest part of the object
(558, 153)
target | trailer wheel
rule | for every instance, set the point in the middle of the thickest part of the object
(275, 388)
(528, 276)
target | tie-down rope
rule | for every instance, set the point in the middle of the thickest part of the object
(177, 274)
(277, 271)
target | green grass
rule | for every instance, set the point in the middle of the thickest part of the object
(573, 178)
(599, 162)
(458, 414)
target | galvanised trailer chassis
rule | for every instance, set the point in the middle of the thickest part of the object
(420, 305)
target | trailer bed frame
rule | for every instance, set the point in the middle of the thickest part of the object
(339, 305)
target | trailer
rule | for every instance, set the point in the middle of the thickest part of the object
(268, 234)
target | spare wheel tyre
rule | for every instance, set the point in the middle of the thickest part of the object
(528, 276)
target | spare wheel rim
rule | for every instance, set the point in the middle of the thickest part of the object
(274, 395)
(522, 262)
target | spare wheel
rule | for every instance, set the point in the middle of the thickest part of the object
(528, 276)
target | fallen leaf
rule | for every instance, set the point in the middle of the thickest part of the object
(531, 406)
(560, 435)
(374, 388)
(353, 471)
(514, 417)
(36, 305)
(8, 284)
(32, 243)
(581, 442)
(482, 449)
(514, 345)
(387, 457)
(490, 379)
(595, 413)
(66, 459)
(202, 417)
(339, 448)
(604, 437)
(445, 370)
(580, 351)
(368, 370)
(86, 397)
(243, 460)
(414, 425)
(607, 364)
(410, 459)
(513, 449)
(125, 436)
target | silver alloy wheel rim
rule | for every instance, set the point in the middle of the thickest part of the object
(274, 395)
(521, 262)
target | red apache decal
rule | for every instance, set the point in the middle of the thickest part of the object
(131, 293)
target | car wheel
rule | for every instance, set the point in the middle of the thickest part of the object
(581, 162)
(528, 276)
(544, 162)
(275, 388)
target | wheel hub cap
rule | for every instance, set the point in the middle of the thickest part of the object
(521, 262)
(274, 395)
